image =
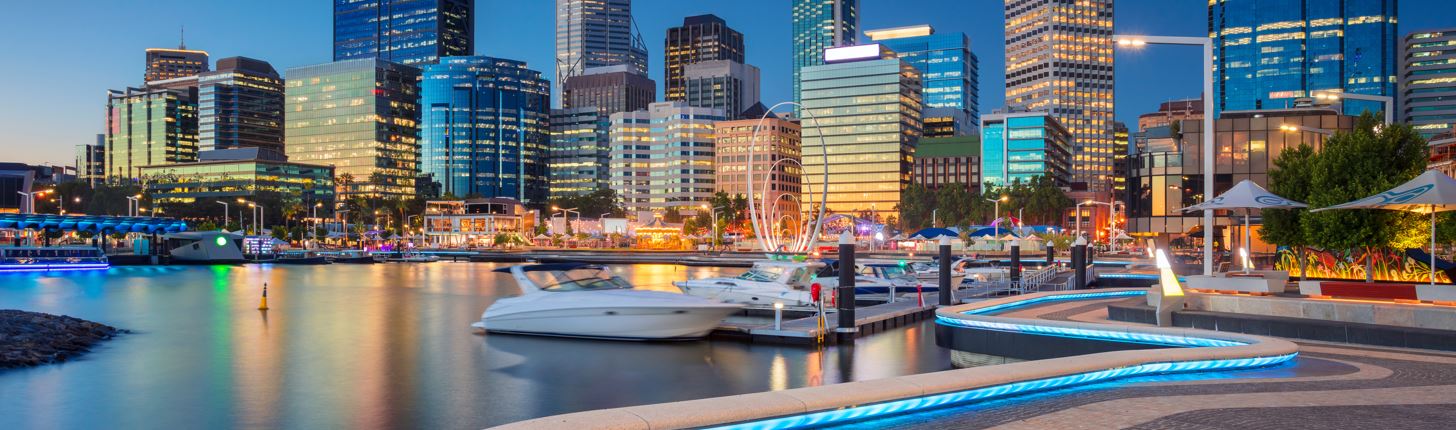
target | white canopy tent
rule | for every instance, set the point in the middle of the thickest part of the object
(1245, 195)
(1429, 193)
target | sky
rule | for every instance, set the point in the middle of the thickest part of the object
(53, 83)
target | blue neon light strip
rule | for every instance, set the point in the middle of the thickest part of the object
(1082, 333)
(1055, 298)
(1153, 276)
(999, 391)
(16, 268)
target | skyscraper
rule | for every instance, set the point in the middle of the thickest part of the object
(948, 67)
(700, 38)
(580, 155)
(609, 89)
(726, 85)
(360, 116)
(1019, 146)
(596, 33)
(164, 63)
(1269, 52)
(91, 161)
(1428, 81)
(485, 127)
(820, 24)
(1059, 61)
(146, 126)
(865, 102)
(240, 105)
(403, 31)
(662, 157)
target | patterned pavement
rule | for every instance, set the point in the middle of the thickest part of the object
(1329, 386)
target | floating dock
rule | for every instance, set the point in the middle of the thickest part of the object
(803, 327)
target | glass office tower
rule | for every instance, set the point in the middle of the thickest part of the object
(948, 69)
(240, 105)
(865, 102)
(700, 38)
(485, 128)
(360, 116)
(1428, 81)
(596, 33)
(820, 24)
(146, 126)
(1269, 52)
(662, 158)
(403, 31)
(1020, 146)
(580, 154)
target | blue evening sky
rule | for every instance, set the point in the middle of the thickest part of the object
(61, 57)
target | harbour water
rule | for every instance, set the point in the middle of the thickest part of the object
(377, 346)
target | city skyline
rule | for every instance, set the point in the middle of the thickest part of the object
(67, 92)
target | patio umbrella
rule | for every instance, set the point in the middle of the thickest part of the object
(1246, 195)
(1429, 193)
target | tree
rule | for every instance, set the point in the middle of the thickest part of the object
(953, 202)
(916, 205)
(1290, 178)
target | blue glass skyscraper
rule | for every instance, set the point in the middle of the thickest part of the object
(820, 24)
(1269, 52)
(485, 128)
(403, 31)
(948, 70)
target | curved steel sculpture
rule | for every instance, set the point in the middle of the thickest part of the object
(762, 220)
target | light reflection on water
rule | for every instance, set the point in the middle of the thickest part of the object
(385, 345)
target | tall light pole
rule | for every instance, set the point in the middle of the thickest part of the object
(132, 204)
(1386, 101)
(713, 210)
(30, 201)
(224, 214)
(566, 214)
(345, 227)
(996, 212)
(1208, 153)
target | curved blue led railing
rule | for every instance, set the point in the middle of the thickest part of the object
(916, 404)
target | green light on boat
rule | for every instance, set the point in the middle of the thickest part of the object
(221, 241)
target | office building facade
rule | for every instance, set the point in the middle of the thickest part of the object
(865, 104)
(580, 155)
(662, 158)
(950, 71)
(725, 85)
(164, 63)
(597, 33)
(947, 161)
(1267, 53)
(239, 173)
(775, 164)
(1428, 81)
(1019, 146)
(819, 25)
(1059, 60)
(148, 126)
(240, 105)
(485, 128)
(91, 161)
(1170, 112)
(412, 32)
(700, 38)
(610, 90)
(359, 116)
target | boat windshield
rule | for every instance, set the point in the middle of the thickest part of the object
(581, 280)
(890, 271)
(763, 273)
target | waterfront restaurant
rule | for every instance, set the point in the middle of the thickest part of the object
(475, 222)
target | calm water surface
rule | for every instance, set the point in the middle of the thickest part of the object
(376, 346)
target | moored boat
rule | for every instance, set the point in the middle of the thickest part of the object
(52, 259)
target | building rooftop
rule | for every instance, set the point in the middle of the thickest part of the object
(959, 146)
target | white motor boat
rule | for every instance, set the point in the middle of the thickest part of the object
(583, 300)
(204, 247)
(766, 283)
(878, 279)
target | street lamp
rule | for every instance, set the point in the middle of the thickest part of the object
(30, 198)
(224, 214)
(996, 212)
(133, 205)
(1111, 220)
(713, 210)
(566, 213)
(1387, 102)
(1208, 153)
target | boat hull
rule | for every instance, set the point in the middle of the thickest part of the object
(616, 323)
(305, 261)
(747, 295)
(355, 260)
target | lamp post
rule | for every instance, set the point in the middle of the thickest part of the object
(345, 227)
(1387, 102)
(713, 210)
(566, 213)
(30, 201)
(933, 213)
(313, 216)
(1111, 220)
(996, 212)
(224, 214)
(133, 203)
(1207, 131)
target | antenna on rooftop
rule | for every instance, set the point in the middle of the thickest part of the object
(182, 39)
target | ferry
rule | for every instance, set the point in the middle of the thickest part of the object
(204, 247)
(52, 259)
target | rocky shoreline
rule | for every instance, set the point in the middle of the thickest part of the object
(32, 338)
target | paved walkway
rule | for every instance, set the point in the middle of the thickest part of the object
(1330, 386)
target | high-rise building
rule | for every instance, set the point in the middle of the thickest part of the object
(1059, 61)
(818, 25)
(1120, 138)
(240, 105)
(865, 104)
(947, 122)
(1428, 81)
(1267, 53)
(147, 126)
(662, 158)
(726, 85)
(1170, 112)
(403, 31)
(485, 128)
(580, 155)
(1023, 145)
(942, 161)
(240, 172)
(610, 90)
(91, 161)
(950, 71)
(164, 63)
(778, 139)
(700, 38)
(597, 33)
(360, 116)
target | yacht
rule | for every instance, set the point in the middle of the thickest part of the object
(766, 283)
(353, 256)
(412, 257)
(588, 301)
(52, 259)
(204, 247)
(877, 279)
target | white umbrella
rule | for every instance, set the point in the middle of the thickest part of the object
(1008, 236)
(1428, 193)
(1031, 237)
(1245, 195)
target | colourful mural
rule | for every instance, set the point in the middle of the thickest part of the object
(1388, 265)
